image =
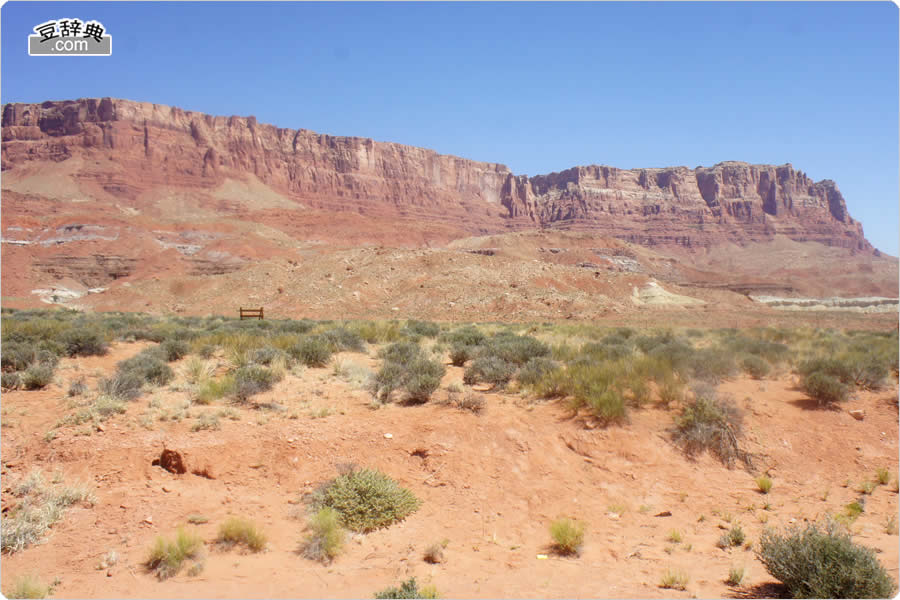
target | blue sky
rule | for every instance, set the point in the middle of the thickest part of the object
(539, 87)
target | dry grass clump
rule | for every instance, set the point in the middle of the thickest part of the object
(41, 505)
(434, 553)
(167, 557)
(735, 576)
(408, 590)
(28, 586)
(674, 580)
(568, 536)
(238, 531)
(326, 536)
(764, 483)
(711, 423)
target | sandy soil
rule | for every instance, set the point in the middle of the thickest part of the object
(491, 483)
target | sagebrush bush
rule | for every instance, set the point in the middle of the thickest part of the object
(149, 366)
(173, 350)
(568, 536)
(366, 499)
(534, 371)
(461, 353)
(251, 380)
(824, 389)
(125, 385)
(466, 336)
(824, 563)
(326, 536)
(239, 531)
(10, 381)
(83, 341)
(710, 423)
(406, 367)
(312, 351)
(37, 376)
(489, 369)
(755, 366)
(167, 557)
(424, 328)
(712, 364)
(515, 349)
(342, 338)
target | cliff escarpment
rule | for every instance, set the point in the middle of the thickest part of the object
(139, 156)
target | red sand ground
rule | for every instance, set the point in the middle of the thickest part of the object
(490, 484)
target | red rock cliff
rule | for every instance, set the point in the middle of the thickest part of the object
(147, 146)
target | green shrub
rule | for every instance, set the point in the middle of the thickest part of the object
(400, 352)
(267, 354)
(607, 405)
(755, 366)
(341, 338)
(326, 537)
(824, 563)
(466, 336)
(166, 558)
(37, 376)
(424, 328)
(213, 389)
(312, 351)
(712, 364)
(10, 381)
(568, 536)
(764, 484)
(515, 349)
(824, 389)
(366, 500)
(713, 424)
(423, 379)
(827, 366)
(174, 350)
(408, 589)
(149, 366)
(251, 380)
(82, 341)
(489, 369)
(535, 370)
(461, 353)
(406, 367)
(238, 531)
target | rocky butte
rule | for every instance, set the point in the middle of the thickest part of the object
(136, 157)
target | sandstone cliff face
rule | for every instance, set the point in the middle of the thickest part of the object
(147, 146)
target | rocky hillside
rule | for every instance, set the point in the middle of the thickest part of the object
(137, 156)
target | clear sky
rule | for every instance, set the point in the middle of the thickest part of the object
(539, 87)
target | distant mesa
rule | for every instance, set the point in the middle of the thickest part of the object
(130, 150)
